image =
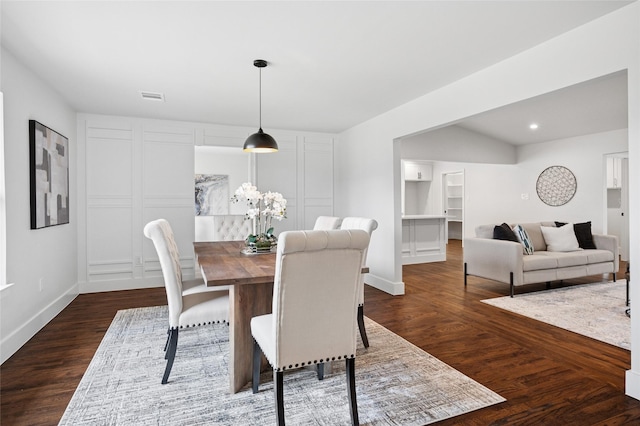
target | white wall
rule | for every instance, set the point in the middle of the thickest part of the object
(368, 160)
(588, 203)
(48, 254)
(454, 143)
(135, 170)
(493, 192)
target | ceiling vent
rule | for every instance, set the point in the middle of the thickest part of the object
(152, 96)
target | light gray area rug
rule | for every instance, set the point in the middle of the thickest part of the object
(594, 310)
(397, 383)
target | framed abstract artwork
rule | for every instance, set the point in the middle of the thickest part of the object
(212, 194)
(49, 176)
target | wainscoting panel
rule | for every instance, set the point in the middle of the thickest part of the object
(134, 170)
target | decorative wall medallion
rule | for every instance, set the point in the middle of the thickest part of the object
(556, 185)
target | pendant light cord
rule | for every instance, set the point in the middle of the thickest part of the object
(260, 97)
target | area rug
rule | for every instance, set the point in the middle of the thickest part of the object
(397, 383)
(594, 310)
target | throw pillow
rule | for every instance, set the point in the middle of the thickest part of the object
(504, 232)
(583, 234)
(523, 237)
(560, 239)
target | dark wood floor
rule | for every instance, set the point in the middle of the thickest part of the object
(548, 376)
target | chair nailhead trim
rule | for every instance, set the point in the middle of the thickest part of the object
(302, 364)
(200, 324)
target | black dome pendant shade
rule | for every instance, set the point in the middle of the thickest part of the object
(260, 142)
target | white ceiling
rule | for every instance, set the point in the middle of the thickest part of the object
(595, 106)
(332, 64)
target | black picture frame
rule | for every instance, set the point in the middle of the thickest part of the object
(49, 176)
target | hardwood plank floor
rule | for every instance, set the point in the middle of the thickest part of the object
(548, 376)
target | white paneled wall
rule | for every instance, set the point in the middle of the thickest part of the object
(135, 170)
(303, 172)
(318, 182)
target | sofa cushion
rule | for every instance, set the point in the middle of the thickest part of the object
(572, 258)
(538, 261)
(599, 256)
(583, 234)
(535, 236)
(523, 238)
(560, 239)
(504, 232)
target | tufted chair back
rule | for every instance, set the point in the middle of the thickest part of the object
(160, 232)
(315, 295)
(313, 317)
(231, 227)
(324, 223)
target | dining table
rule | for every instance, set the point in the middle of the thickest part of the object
(250, 280)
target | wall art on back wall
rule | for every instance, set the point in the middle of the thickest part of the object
(556, 185)
(49, 176)
(212, 195)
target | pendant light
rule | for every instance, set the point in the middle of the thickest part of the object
(260, 142)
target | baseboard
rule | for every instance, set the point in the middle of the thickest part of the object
(118, 285)
(10, 344)
(632, 384)
(393, 288)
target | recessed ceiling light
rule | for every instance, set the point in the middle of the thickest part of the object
(152, 96)
(533, 126)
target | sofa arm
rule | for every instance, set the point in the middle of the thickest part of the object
(494, 259)
(609, 242)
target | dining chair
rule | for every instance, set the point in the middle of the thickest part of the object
(185, 310)
(315, 297)
(231, 227)
(324, 223)
(368, 225)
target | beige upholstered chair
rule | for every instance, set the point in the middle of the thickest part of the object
(324, 223)
(368, 225)
(315, 297)
(230, 227)
(185, 310)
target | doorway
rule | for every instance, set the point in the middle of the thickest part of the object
(453, 204)
(617, 199)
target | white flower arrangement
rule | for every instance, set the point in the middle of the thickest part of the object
(262, 209)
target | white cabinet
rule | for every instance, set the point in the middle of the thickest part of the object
(614, 172)
(416, 183)
(417, 171)
(423, 239)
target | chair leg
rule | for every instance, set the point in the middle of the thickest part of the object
(511, 283)
(257, 364)
(277, 388)
(171, 354)
(166, 344)
(363, 332)
(351, 389)
(320, 368)
(465, 274)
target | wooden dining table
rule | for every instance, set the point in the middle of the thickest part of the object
(250, 277)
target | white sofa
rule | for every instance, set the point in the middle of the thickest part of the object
(504, 261)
